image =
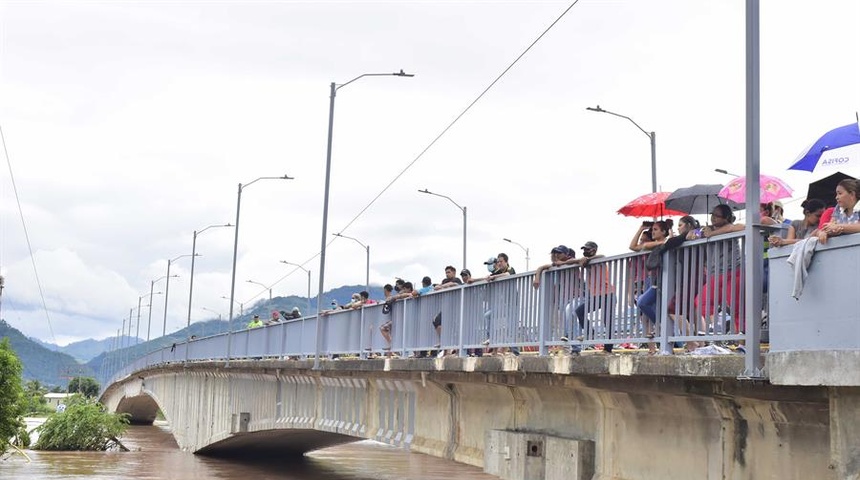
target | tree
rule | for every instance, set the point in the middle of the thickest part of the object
(34, 401)
(11, 393)
(84, 425)
(87, 386)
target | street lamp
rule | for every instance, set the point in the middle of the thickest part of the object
(462, 209)
(212, 311)
(193, 255)
(137, 331)
(651, 135)
(367, 269)
(151, 293)
(241, 305)
(167, 289)
(308, 311)
(724, 172)
(264, 286)
(235, 251)
(525, 249)
(334, 88)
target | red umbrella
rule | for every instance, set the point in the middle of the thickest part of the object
(650, 205)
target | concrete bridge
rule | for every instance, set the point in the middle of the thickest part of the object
(626, 416)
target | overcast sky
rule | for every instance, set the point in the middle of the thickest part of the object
(130, 124)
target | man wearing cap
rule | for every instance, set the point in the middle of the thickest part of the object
(601, 292)
(500, 267)
(255, 322)
(558, 255)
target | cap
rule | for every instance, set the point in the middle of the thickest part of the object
(561, 249)
(256, 316)
(465, 271)
(490, 261)
(295, 309)
(777, 203)
(589, 245)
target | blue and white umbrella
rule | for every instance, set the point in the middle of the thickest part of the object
(838, 148)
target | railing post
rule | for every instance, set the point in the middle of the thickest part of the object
(543, 315)
(361, 352)
(665, 283)
(462, 352)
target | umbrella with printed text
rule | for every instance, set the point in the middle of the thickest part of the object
(838, 148)
(770, 189)
(649, 205)
(699, 199)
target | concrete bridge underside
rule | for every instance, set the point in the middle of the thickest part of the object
(596, 417)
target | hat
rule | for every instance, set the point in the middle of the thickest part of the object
(295, 309)
(256, 317)
(589, 245)
(561, 249)
(356, 296)
(490, 261)
(465, 271)
(777, 203)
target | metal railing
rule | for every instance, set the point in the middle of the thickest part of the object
(699, 298)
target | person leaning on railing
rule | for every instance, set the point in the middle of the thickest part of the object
(647, 302)
(798, 230)
(846, 217)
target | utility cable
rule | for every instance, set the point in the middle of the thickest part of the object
(433, 142)
(27, 236)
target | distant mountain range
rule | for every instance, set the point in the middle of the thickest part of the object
(54, 365)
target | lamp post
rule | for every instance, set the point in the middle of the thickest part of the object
(334, 88)
(151, 293)
(193, 255)
(309, 283)
(724, 172)
(462, 209)
(212, 311)
(525, 249)
(264, 286)
(235, 251)
(241, 305)
(651, 136)
(367, 268)
(167, 290)
(137, 331)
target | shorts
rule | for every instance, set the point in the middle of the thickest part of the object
(437, 320)
(386, 327)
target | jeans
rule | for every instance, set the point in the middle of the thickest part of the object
(606, 304)
(647, 302)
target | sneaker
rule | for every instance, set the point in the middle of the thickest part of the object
(486, 342)
(441, 354)
(564, 338)
(741, 350)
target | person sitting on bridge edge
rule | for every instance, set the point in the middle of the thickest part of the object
(255, 322)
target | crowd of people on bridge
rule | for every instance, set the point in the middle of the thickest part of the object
(717, 286)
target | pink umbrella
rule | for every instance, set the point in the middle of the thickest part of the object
(772, 189)
(649, 205)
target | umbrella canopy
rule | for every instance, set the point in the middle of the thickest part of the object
(825, 189)
(649, 205)
(771, 189)
(698, 199)
(838, 148)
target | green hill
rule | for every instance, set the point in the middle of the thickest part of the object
(50, 368)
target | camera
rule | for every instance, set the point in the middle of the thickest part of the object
(648, 223)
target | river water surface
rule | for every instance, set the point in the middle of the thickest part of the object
(155, 455)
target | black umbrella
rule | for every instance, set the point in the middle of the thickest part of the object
(825, 189)
(698, 199)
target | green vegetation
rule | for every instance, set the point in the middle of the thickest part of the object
(11, 394)
(86, 386)
(34, 401)
(40, 363)
(84, 425)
